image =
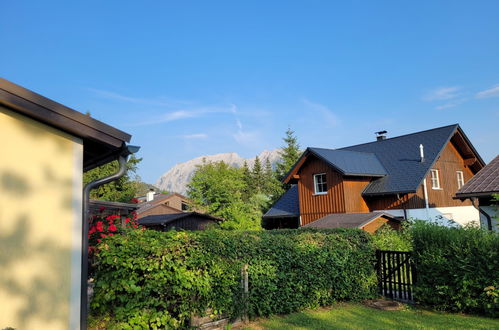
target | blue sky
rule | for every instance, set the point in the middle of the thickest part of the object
(191, 78)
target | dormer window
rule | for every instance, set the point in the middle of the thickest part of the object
(460, 179)
(320, 184)
(435, 181)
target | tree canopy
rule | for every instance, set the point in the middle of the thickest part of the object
(121, 190)
(289, 154)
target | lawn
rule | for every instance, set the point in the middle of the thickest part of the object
(354, 316)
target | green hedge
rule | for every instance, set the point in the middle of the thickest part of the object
(458, 268)
(149, 278)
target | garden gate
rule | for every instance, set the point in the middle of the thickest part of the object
(396, 274)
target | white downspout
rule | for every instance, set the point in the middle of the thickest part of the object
(427, 207)
(425, 189)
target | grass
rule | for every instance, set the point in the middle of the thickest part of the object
(355, 316)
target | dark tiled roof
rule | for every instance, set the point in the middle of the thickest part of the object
(286, 206)
(351, 162)
(400, 157)
(485, 182)
(167, 218)
(347, 220)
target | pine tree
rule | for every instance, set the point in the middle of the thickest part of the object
(258, 176)
(289, 154)
(248, 182)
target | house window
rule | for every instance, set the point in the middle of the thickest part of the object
(435, 181)
(460, 179)
(184, 206)
(320, 184)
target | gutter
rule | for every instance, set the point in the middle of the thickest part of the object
(122, 159)
(489, 220)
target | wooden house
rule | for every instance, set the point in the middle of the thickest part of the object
(157, 204)
(410, 176)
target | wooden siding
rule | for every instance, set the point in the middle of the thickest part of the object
(353, 187)
(374, 225)
(313, 207)
(394, 202)
(190, 223)
(448, 164)
(157, 210)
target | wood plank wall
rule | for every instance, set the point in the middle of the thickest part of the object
(313, 207)
(448, 164)
(353, 187)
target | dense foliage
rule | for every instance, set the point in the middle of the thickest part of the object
(458, 268)
(150, 279)
(238, 195)
(121, 190)
(387, 238)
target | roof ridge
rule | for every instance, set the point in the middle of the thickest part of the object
(360, 152)
(400, 136)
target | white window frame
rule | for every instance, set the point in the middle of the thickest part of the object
(460, 179)
(316, 184)
(435, 179)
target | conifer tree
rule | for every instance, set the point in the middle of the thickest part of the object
(289, 154)
(258, 176)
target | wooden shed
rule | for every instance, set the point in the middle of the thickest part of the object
(179, 221)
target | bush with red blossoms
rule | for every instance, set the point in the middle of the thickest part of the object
(108, 225)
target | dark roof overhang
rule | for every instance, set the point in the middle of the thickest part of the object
(101, 143)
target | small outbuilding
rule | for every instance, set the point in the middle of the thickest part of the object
(369, 222)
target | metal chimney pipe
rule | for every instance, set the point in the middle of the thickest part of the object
(421, 153)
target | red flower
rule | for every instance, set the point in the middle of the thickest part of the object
(103, 235)
(92, 230)
(99, 226)
(101, 209)
(98, 240)
(127, 220)
(111, 234)
(112, 228)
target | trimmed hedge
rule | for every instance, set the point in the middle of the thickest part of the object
(458, 268)
(149, 278)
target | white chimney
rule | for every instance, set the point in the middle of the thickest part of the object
(150, 195)
(421, 153)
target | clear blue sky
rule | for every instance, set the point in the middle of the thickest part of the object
(192, 78)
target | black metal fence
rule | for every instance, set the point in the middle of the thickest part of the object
(396, 274)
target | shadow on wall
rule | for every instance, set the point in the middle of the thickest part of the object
(43, 294)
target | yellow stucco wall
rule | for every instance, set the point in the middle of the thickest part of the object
(40, 224)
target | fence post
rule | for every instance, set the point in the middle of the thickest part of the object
(378, 271)
(245, 291)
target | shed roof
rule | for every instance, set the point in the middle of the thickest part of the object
(101, 142)
(287, 206)
(348, 220)
(163, 219)
(484, 183)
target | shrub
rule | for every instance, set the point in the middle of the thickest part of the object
(387, 238)
(149, 278)
(458, 268)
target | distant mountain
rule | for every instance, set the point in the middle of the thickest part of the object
(177, 178)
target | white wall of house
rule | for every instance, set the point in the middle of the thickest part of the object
(448, 216)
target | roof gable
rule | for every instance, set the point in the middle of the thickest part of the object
(485, 183)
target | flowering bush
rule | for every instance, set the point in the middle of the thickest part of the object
(108, 225)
